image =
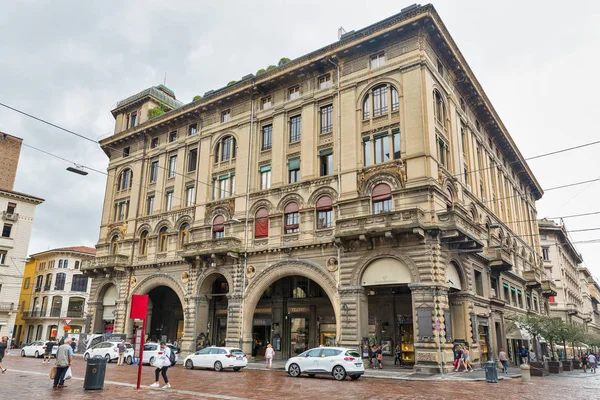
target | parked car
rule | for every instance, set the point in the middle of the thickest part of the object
(37, 349)
(152, 352)
(336, 361)
(108, 350)
(217, 358)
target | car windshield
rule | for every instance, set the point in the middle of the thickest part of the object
(353, 353)
(149, 347)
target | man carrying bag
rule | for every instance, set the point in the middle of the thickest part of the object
(64, 358)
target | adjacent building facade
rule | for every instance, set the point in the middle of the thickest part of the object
(18, 211)
(59, 291)
(20, 330)
(364, 192)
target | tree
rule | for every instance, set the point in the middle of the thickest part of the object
(283, 61)
(270, 67)
(196, 98)
(261, 71)
(532, 324)
(155, 112)
(231, 83)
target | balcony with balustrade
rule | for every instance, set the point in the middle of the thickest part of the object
(105, 263)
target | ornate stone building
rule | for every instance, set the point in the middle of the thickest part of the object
(366, 191)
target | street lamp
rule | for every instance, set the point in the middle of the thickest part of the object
(77, 170)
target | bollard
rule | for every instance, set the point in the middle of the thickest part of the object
(525, 373)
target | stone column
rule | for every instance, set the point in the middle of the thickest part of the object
(353, 316)
(233, 336)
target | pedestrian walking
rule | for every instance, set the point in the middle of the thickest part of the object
(64, 358)
(584, 362)
(457, 357)
(269, 354)
(532, 356)
(504, 360)
(467, 359)
(591, 358)
(524, 355)
(122, 349)
(48, 352)
(162, 365)
(74, 345)
(370, 355)
(3, 350)
(380, 357)
(397, 353)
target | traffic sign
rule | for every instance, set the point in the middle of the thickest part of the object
(67, 321)
(66, 328)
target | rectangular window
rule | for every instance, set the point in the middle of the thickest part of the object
(382, 148)
(215, 185)
(478, 283)
(294, 93)
(192, 129)
(192, 160)
(6, 230)
(327, 118)
(226, 116)
(442, 153)
(172, 166)
(513, 296)
(10, 208)
(292, 222)
(326, 162)
(79, 283)
(266, 102)
(26, 283)
(395, 100)
(126, 151)
(377, 61)
(132, 119)
(325, 81)
(3, 257)
(153, 171)
(265, 177)
(169, 200)
(382, 206)
(494, 287)
(440, 67)
(380, 101)
(295, 132)
(324, 219)
(520, 297)
(535, 303)
(294, 170)
(396, 144)
(121, 211)
(367, 151)
(172, 136)
(224, 186)
(154, 143)
(267, 137)
(546, 253)
(190, 195)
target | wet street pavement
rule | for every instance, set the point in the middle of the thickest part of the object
(27, 378)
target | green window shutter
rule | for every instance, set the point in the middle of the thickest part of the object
(513, 289)
(395, 131)
(150, 196)
(223, 177)
(169, 191)
(366, 138)
(505, 285)
(265, 168)
(293, 164)
(380, 135)
(326, 152)
(519, 292)
(189, 186)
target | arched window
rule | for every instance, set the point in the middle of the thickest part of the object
(125, 179)
(66, 264)
(59, 284)
(379, 99)
(144, 243)
(261, 224)
(163, 238)
(76, 264)
(114, 245)
(449, 199)
(292, 218)
(226, 149)
(439, 108)
(219, 227)
(184, 235)
(382, 198)
(324, 212)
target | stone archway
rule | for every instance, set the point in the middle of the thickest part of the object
(106, 306)
(285, 268)
(212, 314)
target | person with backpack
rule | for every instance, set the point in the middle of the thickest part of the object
(166, 360)
(524, 355)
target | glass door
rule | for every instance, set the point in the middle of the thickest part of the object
(298, 335)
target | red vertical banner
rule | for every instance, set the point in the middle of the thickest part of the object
(139, 310)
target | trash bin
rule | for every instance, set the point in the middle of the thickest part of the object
(94, 373)
(491, 372)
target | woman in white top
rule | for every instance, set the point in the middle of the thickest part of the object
(269, 354)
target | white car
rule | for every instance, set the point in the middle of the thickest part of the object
(336, 361)
(152, 352)
(217, 358)
(108, 350)
(37, 349)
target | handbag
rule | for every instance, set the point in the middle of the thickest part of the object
(52, 372)
(68, 374)
(380, 356)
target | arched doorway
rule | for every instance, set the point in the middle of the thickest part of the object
(294, 313)
(165, 315)
(212, 311)
(104, 321)
(389, 319)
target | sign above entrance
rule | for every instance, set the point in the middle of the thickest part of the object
(298, 310)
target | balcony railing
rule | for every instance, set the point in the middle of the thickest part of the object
(382, 224)
(572, 309)
(54, 314)
(112, 261)
(533, 278)
(7, 307)
(549, 288)
(223, 246)
(498, 260)
(14, 217)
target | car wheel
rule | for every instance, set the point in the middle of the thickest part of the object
(129, 360)
(151, 361)
(86, 356)
(218, 366)
(37, 354)
(294, 370)
(311, 375)
(107, 358)
(339, 373)
(237, 368)
(22, 353)
(189, 364)
(354, 377)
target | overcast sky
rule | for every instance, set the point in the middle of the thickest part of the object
(70, 61)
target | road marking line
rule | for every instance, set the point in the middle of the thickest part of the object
(198, 394)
